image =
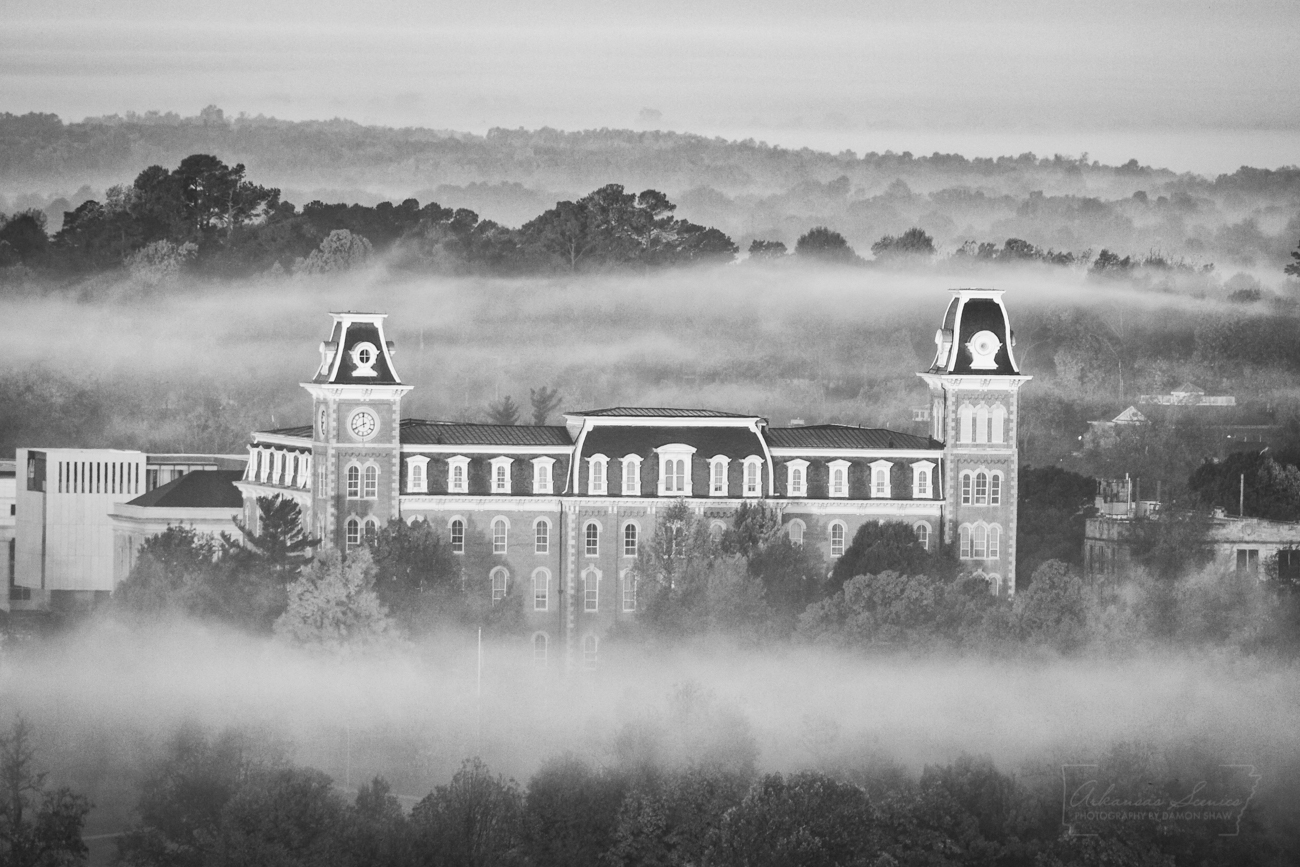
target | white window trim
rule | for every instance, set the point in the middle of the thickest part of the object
(421, 463)
(790, 466)
(464, 529)
(628, 579)
(347, 488)
(926, 467)
(830, 479)
(965, 423)
(492, 533)
(803, 531)
(591, 522)
(590, 591)
(603, 488)
(622, 538)
(714, 463)
(365, 468)
(492, 583)
(631, 475)
(999, 415)
(537, 523)
(675, 451)
(462, 462)
(546, 589)
(982, 423)
(887, 467)
(928, 533)
(757, 463)
(496, 463)
(543, 475)
(830, 536)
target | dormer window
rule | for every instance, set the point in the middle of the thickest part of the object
(458, 475)
(718, 475)
(364, 356)
(675, 470)
(753, 476)
(796, 478)
(632, 475)
(542, 468)
(839, 478)
(501, 474)
(880, 481)
(417, 474)
(596, 473)
(923, 480)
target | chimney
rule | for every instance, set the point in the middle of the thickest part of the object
(796, 422)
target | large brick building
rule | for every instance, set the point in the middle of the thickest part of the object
(565, 508)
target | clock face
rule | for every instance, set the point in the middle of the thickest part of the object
(363, 424)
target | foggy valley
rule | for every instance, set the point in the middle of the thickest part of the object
(701, 435)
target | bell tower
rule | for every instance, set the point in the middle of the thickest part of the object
(975, 412)
(356, 416)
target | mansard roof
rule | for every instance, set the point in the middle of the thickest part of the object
(201, 489)
(415, 431)
(659, 412)
(357, 353)
(303, 431)
(615, 441)
(844, 436)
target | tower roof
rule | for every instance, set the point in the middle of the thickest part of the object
(976, 336)
(357, 353)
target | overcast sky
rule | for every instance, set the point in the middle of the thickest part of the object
(1195, 85)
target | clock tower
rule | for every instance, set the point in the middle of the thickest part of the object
(975, 412)
(356, 414)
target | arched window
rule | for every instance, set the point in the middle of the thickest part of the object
(353, 532)
(995, 583)
(979, 542)
(371, 528)
(676, 481)
(354, 482)
(837, 539)
(837, 482)
(632, 475)
(963, 533)
(718, 485)
(457, 477)
(596, 475)
(590, 590)
(591, 534)
(995, 489)
(499, 475)
(922, 484)
(981, 489)
(717, 530)
(995, 540)
(541, 589)
(796, 530)
(753, 476)
(881, 483)
(457, 528)
(499, 528)
(981, 424)
(796, 482)
(629, 591)
(539, 649)
(966, 423)
(629, 540)
(590, 649)
(542, 536)
(998, 419)
(965, 489)
(371, 491)
(499, 577)
(416, 480)
(923, 535)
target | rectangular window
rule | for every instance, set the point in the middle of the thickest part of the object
(979, 549)
(995, 539)
(590, 590)
(965, 489)
(1248, 561)
(995, 490)
(719, 478)
(540, 590)
(965, 543)
(629, 593)
(751, 478)
(981, 489)
(543, 538)
(882, 483)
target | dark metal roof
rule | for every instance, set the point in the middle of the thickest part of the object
(201, 489)
(303, 431)
(660, 412)
(843, 436)
(420, 432)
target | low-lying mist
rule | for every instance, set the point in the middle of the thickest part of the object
(104, 699)
(196, 366)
